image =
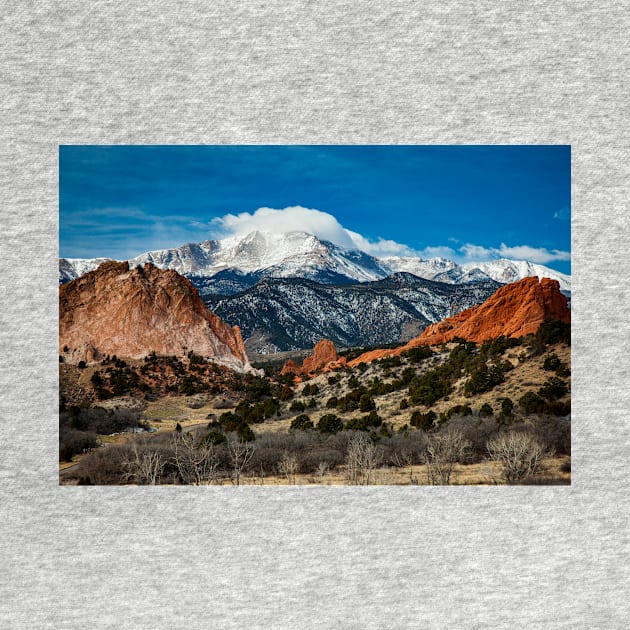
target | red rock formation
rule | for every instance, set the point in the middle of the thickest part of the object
(514, 310)
(129, 313)
(291, 367)
(324, 354)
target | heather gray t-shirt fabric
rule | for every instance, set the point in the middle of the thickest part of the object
(376, 557)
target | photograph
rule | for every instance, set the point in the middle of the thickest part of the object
(279, 315)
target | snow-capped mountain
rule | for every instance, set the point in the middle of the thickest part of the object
(287, 255)
(71, 268)
(501, 270)
(303, 255)
(279, 314)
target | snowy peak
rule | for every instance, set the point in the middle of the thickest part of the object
(502, 270)
(284, 255)
(299, 254)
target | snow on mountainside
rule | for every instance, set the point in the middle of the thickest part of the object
(501, 270)
(279, 255)
(302, 255)
(279, 314)
(71, 268)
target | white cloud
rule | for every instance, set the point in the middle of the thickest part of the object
(382, 247)
(540, 255)
(442, 251)
(294, 218)
(325, 226)
(298, 218)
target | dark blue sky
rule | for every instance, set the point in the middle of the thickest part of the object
(464, 202)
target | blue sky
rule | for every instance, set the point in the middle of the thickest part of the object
(462, 202)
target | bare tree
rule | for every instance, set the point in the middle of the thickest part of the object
(288, 466)
(444, 450)
(143, 467)
(239, 453)
(195, 462)
(322, 469)
(519, 454)
(402, 460)
(362, 459)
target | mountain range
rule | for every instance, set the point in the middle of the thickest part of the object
(286, 291)
(280, 314)
(302, 255)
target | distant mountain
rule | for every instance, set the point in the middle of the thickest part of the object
(244, 260)
(279, 314)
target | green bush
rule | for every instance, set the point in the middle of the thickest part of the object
(245, 433)
(483, 379)
(507, 407)
(423, 421)
(553, 389)
(554, 331)
(297, 405)
(366, 403)
(531, 403)
(212, 437)
(485, 410)
(330, 423)
(301, 423)
(459, 410)
(551, 362)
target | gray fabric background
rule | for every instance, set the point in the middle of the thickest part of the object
(327, 72)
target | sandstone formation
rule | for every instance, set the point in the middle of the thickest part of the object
(132, 312)
(324, 358)
(514, 310)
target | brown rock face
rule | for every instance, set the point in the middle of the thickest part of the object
(515, 310)
(130, 313)
(323, 355)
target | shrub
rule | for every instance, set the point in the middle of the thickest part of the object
(329, 423)
(417, 354)
(423, 421)
(485, 410)
(531, 403)
(506, 407)
(483, 379)
(302, 423)
(286, 393)
(553, 389)
(364, 423)
(245, 433)
(366, 403)
(551, 362)
(297, 405)
(554, 331)
(213, 437)
(460, 410)
(519, 454)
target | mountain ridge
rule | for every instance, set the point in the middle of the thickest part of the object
(279, 314)
(300, 254)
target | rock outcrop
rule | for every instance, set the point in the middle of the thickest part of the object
(514, 310)
(132, 312)
(324, 358)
